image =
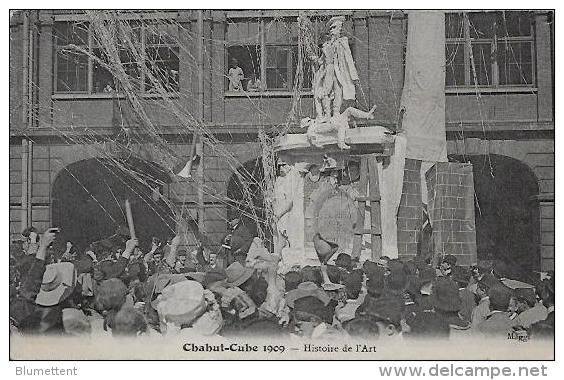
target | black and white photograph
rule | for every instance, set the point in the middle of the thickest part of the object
(281, 184)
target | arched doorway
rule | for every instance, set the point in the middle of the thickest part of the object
(507, 217)
(245, 193)
(88, 200)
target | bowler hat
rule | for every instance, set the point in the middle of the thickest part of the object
(344, 261)
(57, 284)
(397, 278)
(237, 274)
(292, 279)
(310, 306)
(445, 295)
(384, 308)
(353, 283)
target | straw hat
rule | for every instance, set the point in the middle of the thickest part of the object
(58, 283)
(306, 289)
(237, 274)
(182, 303)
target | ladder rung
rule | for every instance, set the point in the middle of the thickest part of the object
(374, 232)
(368, 198)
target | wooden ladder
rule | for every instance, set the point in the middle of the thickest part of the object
(369, 192)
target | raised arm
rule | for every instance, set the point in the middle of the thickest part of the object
(170, 257)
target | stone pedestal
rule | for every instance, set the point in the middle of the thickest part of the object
(324, 202)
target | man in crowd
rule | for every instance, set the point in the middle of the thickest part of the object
(163, 292)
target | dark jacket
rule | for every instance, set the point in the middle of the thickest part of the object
(23, 306)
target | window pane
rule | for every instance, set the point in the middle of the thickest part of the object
(271, 56)
(163, 65)
(277, 71)
(515, 63)
(102, 79)
(72, 72)
(131, 68)
(482, 24)
(162, 34)
(455, 65)
(243, 30)
(306, 68)
(247, 57)
(482, 62)
(277, 79)
(515, 24)
(66, 33)
(282, 58)
(453, 25)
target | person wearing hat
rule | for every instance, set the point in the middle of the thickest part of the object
(45, 291)
(447, 302)
(386, 312)
(482, 310)
(306, 289)
(498, 322)
(423, 288)
(30, 241)
(462, 277)
(529, 309)
(445, 268)
(443, 318)
(545, 329)
(344, 261)
(355, 298)
(238, 241)
(311, 318)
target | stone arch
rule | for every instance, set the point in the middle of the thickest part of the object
(88, 200)
(507, 215)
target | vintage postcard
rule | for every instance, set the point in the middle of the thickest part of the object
(282, 184)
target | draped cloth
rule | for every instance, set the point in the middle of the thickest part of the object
(423, 97)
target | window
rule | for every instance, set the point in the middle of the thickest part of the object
(490, 49)
(72, 65)
(148, 53)
(267, 52)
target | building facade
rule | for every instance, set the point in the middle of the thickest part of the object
(499, 110)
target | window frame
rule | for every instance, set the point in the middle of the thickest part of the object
(467, 42)
(90, 93)
(263, 46)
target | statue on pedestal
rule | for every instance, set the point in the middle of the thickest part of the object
(324, 127)
(335, 77)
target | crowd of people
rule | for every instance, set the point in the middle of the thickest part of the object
(239, 292)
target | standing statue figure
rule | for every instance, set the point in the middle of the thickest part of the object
(336, 72)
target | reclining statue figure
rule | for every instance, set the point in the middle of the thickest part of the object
(325, 126)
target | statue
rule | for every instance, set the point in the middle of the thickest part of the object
(336, 72)
(339, 123)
